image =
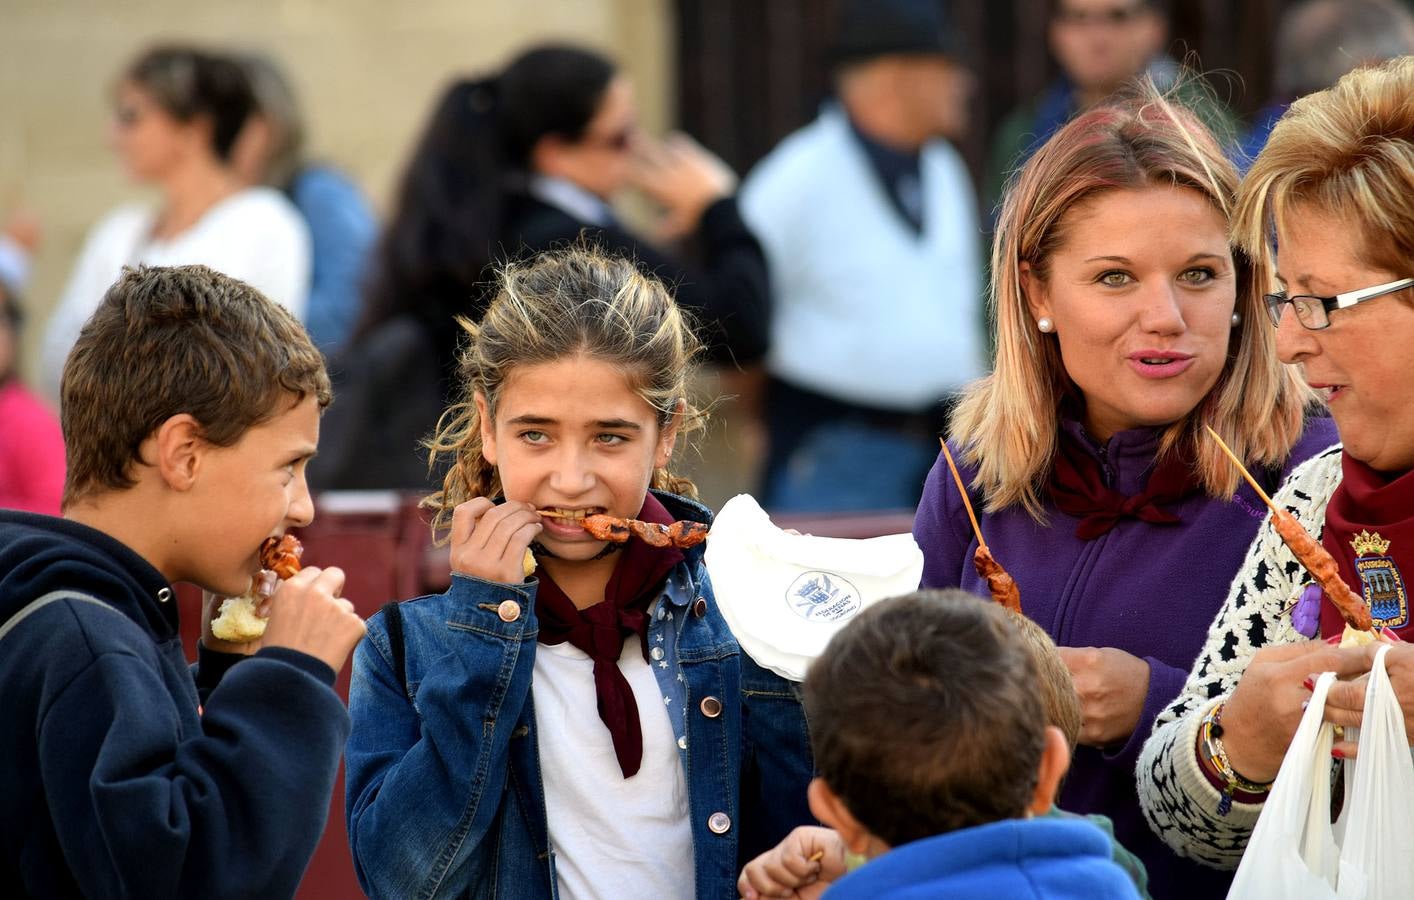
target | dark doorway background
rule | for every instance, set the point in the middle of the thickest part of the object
(751, 71)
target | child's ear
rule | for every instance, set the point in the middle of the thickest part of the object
(827, 806)
(668, 435)
(488, 428)
(175, 450)
(1033, 290)
(1055, 761)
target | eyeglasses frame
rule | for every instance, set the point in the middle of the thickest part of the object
(1275, 302)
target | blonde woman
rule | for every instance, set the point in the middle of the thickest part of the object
(1125, 323)
(1336, 182)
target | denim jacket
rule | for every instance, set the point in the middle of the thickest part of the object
(444, 792)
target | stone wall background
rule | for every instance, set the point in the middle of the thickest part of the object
(366, 72)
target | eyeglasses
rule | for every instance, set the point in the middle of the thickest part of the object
(1314, 312)
(1114, 16)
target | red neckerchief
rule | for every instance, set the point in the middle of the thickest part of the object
(601, 629)
(1376, 512)
(1078, 488)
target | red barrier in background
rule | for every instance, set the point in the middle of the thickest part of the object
(383, 543)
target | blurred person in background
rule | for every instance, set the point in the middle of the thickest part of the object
(270, 151)
(1100, 45)
(869, 221)
(31, 444)
(178, 111)
(1319, 41)
(511, 165)
(19, 238)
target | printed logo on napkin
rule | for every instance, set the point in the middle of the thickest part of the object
(823, 597)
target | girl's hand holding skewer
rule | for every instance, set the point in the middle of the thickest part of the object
(489, 541)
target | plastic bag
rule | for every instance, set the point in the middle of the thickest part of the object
(1294, 852)
(1375, 855)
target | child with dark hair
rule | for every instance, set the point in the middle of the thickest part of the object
(957, 799)
(191, 406)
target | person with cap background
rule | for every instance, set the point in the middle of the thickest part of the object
(869, 223)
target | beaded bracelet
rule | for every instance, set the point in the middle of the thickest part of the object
(1212, 758)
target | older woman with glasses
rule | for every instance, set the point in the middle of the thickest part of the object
(1336, 182)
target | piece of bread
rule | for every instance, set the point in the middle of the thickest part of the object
(1355, 638)
(238, 621)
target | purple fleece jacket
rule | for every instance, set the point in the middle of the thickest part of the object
(1150, 590)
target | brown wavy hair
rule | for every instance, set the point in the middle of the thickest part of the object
(566, 303)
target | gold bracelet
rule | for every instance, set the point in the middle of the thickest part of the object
(1233, 782)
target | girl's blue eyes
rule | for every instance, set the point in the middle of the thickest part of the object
(539, 437)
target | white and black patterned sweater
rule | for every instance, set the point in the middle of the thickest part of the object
(1178, 800)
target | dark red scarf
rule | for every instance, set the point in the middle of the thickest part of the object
(601, 630)
(1078, 489)
(1383, 508)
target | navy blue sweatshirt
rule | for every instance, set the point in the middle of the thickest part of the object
(113, 783)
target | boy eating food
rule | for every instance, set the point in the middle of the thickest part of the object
(191, 405)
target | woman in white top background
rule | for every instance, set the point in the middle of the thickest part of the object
(177, 113)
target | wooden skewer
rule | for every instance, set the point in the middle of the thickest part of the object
(816, 856)
(962, 489)
(1243, 469)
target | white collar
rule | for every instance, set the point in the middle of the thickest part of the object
(570, 199)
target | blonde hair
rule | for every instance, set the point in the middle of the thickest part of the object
(567, 303)
(1007, 423)
(1349, 152)
(1053, 681)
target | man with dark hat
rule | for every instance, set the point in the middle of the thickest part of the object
(869, 223)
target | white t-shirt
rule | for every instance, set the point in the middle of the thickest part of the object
(613, 837)
(255, 235)
(864, 310)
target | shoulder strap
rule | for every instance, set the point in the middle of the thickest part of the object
(393, 619)
(35, 606)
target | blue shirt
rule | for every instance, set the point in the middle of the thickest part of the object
(1018, 859)
(341, 232)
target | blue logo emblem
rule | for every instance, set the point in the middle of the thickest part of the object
(823, 597)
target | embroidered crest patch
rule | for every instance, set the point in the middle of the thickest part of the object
(1381, 583)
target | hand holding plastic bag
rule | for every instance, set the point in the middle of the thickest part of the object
(1295, 853)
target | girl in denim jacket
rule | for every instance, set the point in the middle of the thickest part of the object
(592, 730)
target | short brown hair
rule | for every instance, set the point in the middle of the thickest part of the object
(1348, 151)
(171, 340)
(924, 717)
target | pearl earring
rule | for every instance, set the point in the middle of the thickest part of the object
(1046, 325)
(1236, 319)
